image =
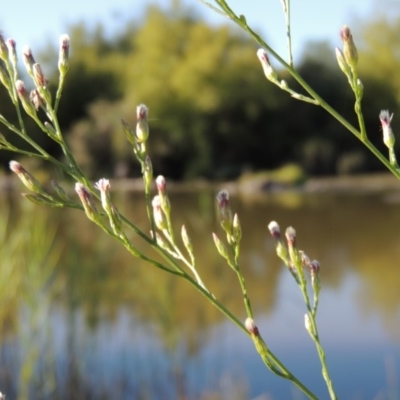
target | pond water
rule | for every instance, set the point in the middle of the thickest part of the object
(81, 319)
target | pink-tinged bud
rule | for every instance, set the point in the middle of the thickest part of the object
(305, 260)
(349, 48)
(16, 167)
(267, 67)
(224, 210)
(161, 184)
(36, 99)
(12, 53)
(87, 202)
(291, 236)
(24, 98)
(314, 267)
(38, 75)
(63, 56)
(103, 185)
(26, 178)
(28, 59)
(159, 216)
(251, 326)
(142, 126)
(388, 136)
(274, 229)
(3, 48)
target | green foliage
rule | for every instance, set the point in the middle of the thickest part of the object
(212, 113)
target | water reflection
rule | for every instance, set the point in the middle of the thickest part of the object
(81, 319)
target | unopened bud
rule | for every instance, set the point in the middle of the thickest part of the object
(342, 62)
(39, 200)
(87, 202)
(36, 99)
(103, 185)
(159, 216)
(142, 126)
(236, 229)
(161, 185)
(3, 48)
(26, 178)
(224, 211)
(388, 136)
(38, 75)
(220, 247)
(186, 240)
(5, 79)
(115, 219)
(291, 236)
(147, 173)
(28, 59)
(60, 191)
(128, 132)
(63, 56)
(11, 45)
(274, 229)
(267, 67)
(251, 326)
(349, 48)
(24, 98)
(307, 324)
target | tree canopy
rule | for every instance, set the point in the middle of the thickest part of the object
(213, 114)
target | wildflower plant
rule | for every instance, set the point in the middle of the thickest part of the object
(95, 199)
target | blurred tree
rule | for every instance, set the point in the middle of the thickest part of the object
(213, 114)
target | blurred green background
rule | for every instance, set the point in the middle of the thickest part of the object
(213, 113)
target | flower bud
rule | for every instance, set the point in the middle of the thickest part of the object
(87, 202)
(186, 240)
(236, 229)
(27, 179)
(36, 99)
(159, 216)
(5, 79)
(24, 98)
(38, 75)
(224, 211)
(142, 127)
(268, 70)
(103, 185)
(342, 62)
(251, 326)
(307, 324)
(60, 191)
(3, 48)
(12, 54)
(349, 48)
(128, 132)
(147, 173)
(274, 229)
(388, 136)
(63, 55)
(28, 59)
(220, 247)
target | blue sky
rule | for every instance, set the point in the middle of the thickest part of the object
(38, 22)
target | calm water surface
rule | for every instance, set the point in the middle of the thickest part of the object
(81, 319)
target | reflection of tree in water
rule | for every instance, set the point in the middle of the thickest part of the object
(96, 281)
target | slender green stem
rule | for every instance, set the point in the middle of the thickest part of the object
(59, 92)
(315, 336)
(286, 10)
